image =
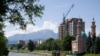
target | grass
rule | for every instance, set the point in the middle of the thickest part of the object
(92, 55)
(49, 53)
(63, 53)
(46, 52)
(42, 52)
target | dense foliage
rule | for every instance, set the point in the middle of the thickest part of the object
(3, 42)
(20, 12)
(52, 44)
(66, 43)
(88, 43)
(19, 46)
(93, 44)
(31, 45)
(97, 45)
(15, 11)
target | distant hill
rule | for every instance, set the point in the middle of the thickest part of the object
(43, 34)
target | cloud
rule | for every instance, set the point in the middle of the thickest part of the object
(13, 32)
(50, 25)
(31, 28)
(46, 25)
(7, 23)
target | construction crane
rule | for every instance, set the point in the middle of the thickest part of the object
(65, 15)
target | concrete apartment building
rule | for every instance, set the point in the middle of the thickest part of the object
(69, 26)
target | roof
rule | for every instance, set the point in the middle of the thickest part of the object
(83, 35)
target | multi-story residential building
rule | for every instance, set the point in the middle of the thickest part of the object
(69, 26)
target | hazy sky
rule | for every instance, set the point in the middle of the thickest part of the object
(53, 14)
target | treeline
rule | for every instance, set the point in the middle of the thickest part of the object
(49, 44)
(93, 44)
(65, 44)
(56, 44)
(20, 46)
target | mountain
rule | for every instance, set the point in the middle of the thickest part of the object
(43, 34)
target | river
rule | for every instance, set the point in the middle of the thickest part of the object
(22, 54)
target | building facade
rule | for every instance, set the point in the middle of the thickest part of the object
(69, 26)
(79, 45)
(93, 27)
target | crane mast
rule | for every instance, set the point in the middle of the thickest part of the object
(65, 15)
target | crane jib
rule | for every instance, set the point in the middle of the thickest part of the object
(68, 11)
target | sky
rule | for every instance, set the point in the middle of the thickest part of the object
(53, 15)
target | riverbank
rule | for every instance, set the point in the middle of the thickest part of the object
(47, 53)
(92, 55)
(41, 52)
(44, 53)
(23, 54)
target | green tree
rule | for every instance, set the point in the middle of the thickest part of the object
(66, 43)
(3, 42)
(49, 44)
(97, 45)
(31, 45)
(58, 41)
(88, 43)
(93, 44)
(19, 46)
(14, 11)
(41, 46)
(93, 38)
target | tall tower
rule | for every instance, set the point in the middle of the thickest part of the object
(60, 31)
(78, 45)
(93, 27)
(79, 27)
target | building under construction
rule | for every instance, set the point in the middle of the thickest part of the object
(69, 26)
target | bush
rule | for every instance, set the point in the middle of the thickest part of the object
(53, 53)
(6, 51)
(2, 45)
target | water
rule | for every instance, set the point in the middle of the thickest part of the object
(22, 54)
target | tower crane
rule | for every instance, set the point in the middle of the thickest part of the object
(65, 15)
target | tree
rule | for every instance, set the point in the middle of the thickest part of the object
(31, 45)
(14, 11)
(93, 43)
(97, 45)
(6, 51)
(49, 44)
(93, 38)
(88, 43)
(2, 43)
(66, 43)
(19, 46)
(41, 46)
(3, 40)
